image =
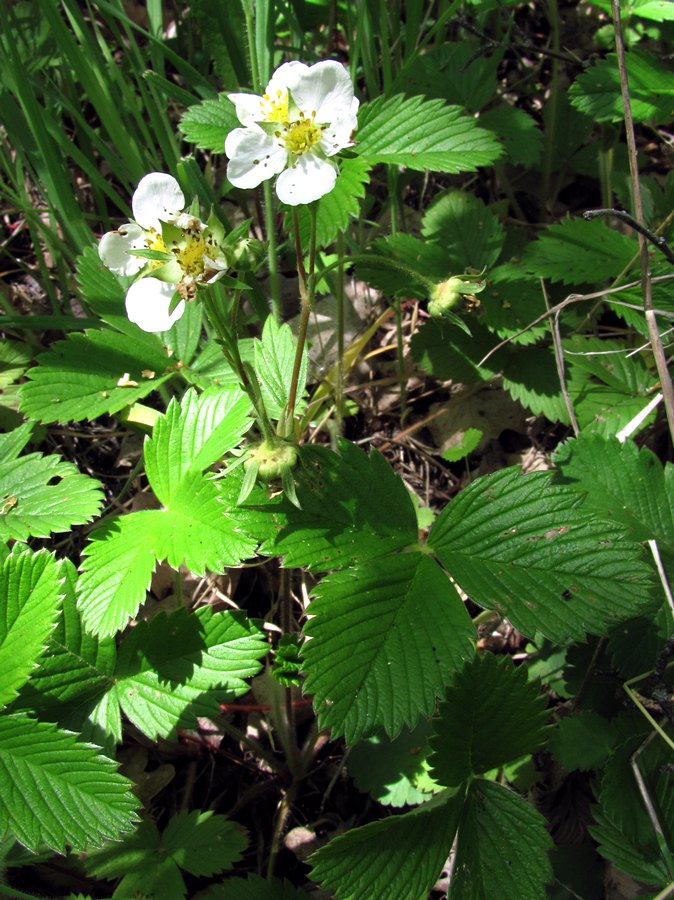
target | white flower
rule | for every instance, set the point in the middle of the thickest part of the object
(306, 115)
(185, 252)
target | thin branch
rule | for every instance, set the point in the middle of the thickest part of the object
(577, 298)
(559, 361)
(646, 281)
(658, 241)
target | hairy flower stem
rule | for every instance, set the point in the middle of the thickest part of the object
(269, 207)
(307, 292)
(227, 335)
(341, 300)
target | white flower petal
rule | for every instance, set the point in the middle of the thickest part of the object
(337, 135)
(324, 89)
(147, 304)
(248, 107)
(254, 156)
(114, 246)
(157, 198)
(310, 178)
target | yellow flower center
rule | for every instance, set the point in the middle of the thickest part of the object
(191, 254)
(301, 135)
(154, 241)
(275, 107)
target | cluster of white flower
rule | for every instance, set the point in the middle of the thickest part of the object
(304, 118)
(172, 250)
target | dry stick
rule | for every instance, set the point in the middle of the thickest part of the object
(658, 241)
(559, 361)
(646, 286)
(578, 298)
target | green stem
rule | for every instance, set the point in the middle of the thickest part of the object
(341, 300)
(269, 205)
(227, 338)
(307, 292)
(552, 123)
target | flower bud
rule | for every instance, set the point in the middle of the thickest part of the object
(273, 458)
(446, 294)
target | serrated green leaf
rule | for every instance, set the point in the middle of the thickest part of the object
(90, 374)
(517, 131)
(621, 483)
(634, 645)
(254, 887)
(407, 633)
(43, 494)
(488, 696)
(581, 741)
(423, 134)
(102, 291)
(465, 228)
(30, 598)
(208, 123)
(416, 846)
(202, 843)
(192, 435)
(391, 770)
(510, 302)
(644, 865)
(274, 361)
(596, 92)
(467, 74)
(13, 442)
(178, 667)
(498, 825)
(198, 842)
(576, 251)
(519, 544)
(336, 209)
(75, 669)
(57, 791)
(353, 507)
(15, 358)
(116, 570)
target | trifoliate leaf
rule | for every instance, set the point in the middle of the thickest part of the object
(181, 666)
(519, 544)
(465, 228)
(581, 741)
(386, 638)
(487, 697)
(576, 251)
(57, 791)
(651, 83)
(200, 843)
(94, 373)
(498, 825)
(416, 845)
(391, 770)
(75, 669)
(208, 123)
(517, 131)
(335, 210)
(423, 134)
(42, 494)
(274, 361)
(192, 435)
(621, 483)
(353, 507)
(30, 597)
